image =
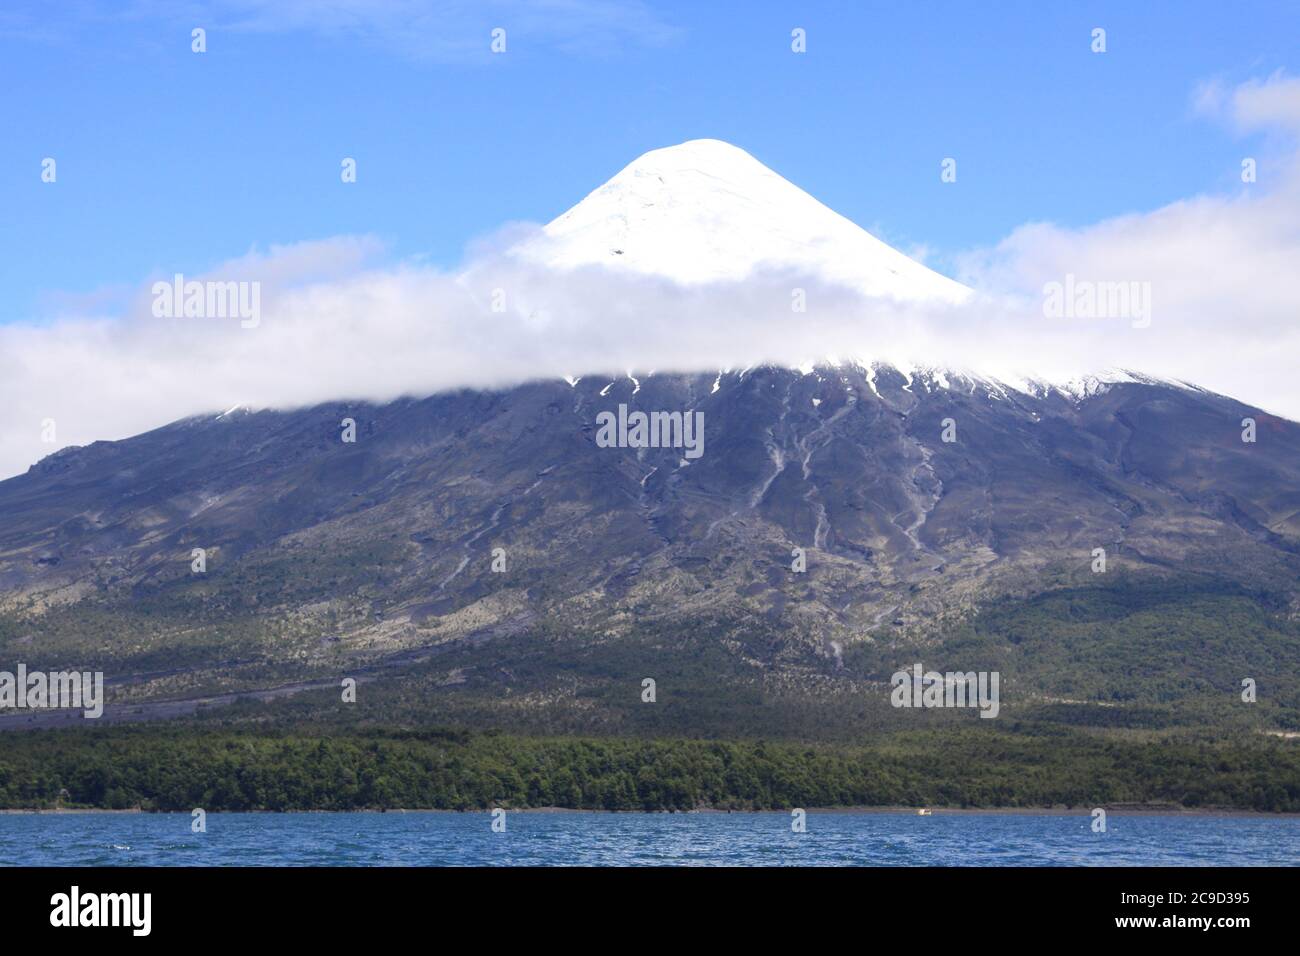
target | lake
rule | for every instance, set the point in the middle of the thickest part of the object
(690, 839)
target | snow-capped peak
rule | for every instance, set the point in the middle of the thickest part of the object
(707, 211)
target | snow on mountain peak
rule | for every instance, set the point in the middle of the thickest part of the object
(708, 211)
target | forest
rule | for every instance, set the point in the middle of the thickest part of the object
(177, 767)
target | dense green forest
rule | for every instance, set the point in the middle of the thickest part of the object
(180, 768)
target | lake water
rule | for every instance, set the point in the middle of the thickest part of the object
(747, 839)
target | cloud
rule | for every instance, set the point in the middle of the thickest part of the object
(1257, 104)
(1222, 270)
(338, 322)
(456, 31)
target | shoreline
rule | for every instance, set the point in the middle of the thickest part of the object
(1113, 810)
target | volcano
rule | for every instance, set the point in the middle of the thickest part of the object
(1117, 541)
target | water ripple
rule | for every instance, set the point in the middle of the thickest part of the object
(698, 839)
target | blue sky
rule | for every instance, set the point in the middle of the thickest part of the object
(171, 161)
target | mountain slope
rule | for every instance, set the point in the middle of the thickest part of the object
(376, 557)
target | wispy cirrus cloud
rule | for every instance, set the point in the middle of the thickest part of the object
(420, 30)
(457, 29)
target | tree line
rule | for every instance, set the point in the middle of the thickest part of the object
(180, 768)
